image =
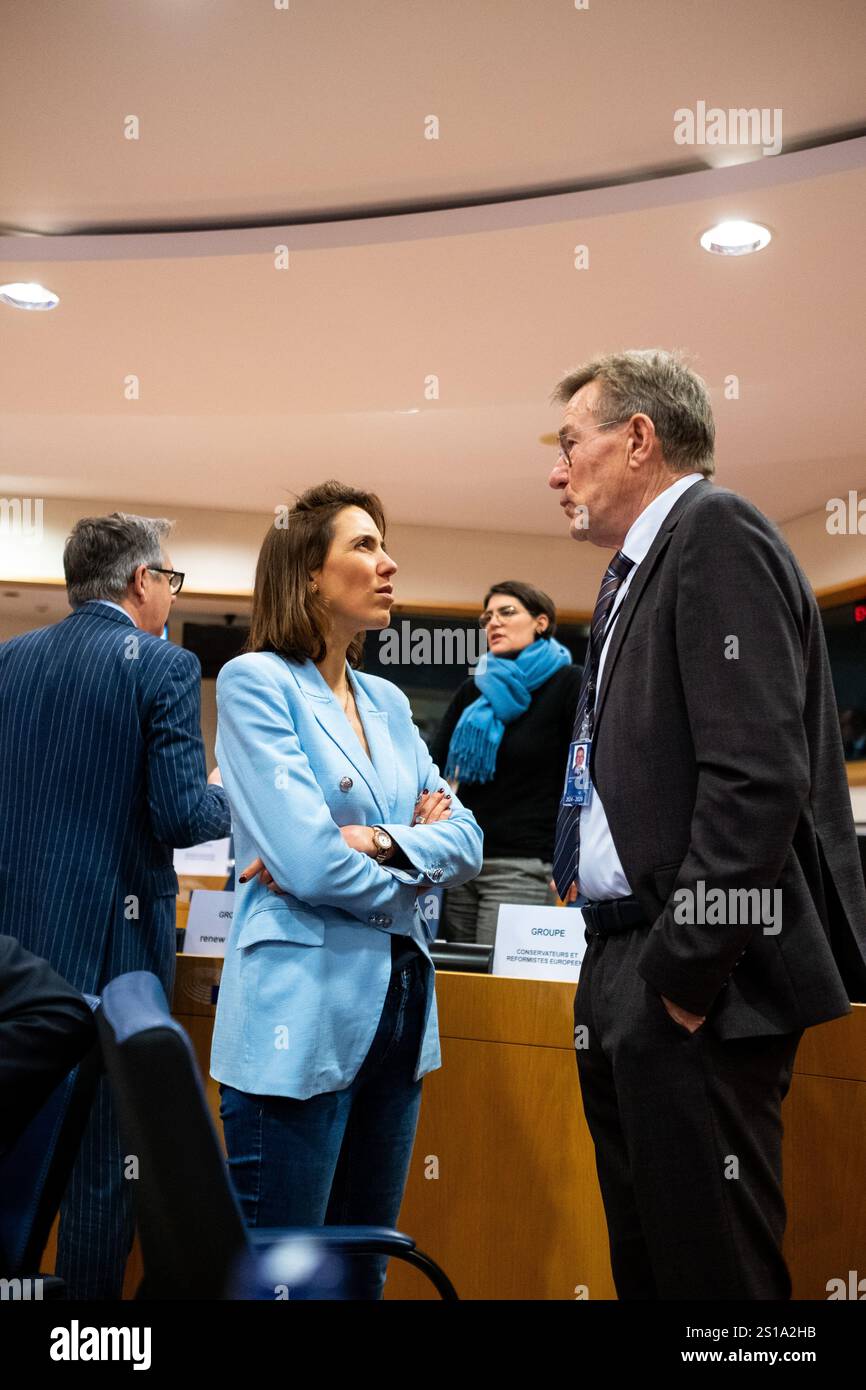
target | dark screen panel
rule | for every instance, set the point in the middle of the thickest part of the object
(845, 632)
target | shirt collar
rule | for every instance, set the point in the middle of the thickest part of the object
(646, 527)
(109, 603)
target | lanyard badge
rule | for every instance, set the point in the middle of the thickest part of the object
(578, 788)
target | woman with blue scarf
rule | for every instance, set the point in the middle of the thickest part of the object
(504, 740)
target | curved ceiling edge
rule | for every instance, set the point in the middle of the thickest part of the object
(816, 162)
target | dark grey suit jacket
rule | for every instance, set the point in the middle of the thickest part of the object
(45, 1029)
(729, 770)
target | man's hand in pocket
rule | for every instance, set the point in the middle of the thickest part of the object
(690, 1021)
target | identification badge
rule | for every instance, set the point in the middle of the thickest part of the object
(578, 787)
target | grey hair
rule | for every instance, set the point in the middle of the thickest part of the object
(102, 553)
(657, 383)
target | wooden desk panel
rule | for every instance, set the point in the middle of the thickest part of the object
(527, 1160)
(502, 1189)
(515, 1211)
(824, 1160)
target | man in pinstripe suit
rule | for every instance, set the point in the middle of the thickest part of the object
(102, 774)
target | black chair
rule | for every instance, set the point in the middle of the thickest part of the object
(34, 1174)
(192, 1233)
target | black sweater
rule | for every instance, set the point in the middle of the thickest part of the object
(517, 810)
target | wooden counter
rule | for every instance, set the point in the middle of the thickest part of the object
(502, 1191)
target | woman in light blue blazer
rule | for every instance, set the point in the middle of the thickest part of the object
(326, 1018)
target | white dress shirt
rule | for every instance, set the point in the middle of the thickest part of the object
(600, 871)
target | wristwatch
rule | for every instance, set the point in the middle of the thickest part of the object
(384, 844)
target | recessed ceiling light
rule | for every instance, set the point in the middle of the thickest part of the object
(29, 295)
(735, 238)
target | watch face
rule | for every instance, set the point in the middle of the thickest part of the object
(382, 838)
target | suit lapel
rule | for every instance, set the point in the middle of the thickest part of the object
(332, 718)
(377, 727)
(636, 588)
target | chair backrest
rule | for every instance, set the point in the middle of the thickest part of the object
(34, 1172)
(188, 1219)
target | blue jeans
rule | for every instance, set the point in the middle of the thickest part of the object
(340, 1158)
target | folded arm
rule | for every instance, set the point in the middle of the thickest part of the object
(446, 852)
(275, 795)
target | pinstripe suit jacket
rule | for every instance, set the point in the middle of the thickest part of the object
(102, 773)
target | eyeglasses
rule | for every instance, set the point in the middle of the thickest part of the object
(565, 447)
(508, 612)
(175, 577)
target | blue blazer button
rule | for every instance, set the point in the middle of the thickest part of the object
(346, 784)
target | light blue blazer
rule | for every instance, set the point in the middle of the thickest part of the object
(305, 975)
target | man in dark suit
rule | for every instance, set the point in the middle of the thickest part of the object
(45, 1029)
(727, 907)
(102, 774)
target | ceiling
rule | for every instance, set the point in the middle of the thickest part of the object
(413, 258)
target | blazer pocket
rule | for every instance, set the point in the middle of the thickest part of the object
(279, 921)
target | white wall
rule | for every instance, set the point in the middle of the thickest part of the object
(218, 552)
(826, 559)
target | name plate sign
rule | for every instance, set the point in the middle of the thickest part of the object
(538, 943)
(209, 922)
(208, 860)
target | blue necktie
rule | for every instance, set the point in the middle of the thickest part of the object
(567, 848)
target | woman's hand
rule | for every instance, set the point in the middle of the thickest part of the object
(432, 806)
(257, 869)
(429, 808)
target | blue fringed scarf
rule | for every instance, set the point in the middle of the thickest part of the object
(506, 685)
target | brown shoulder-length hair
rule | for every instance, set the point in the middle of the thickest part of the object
(288, 617)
